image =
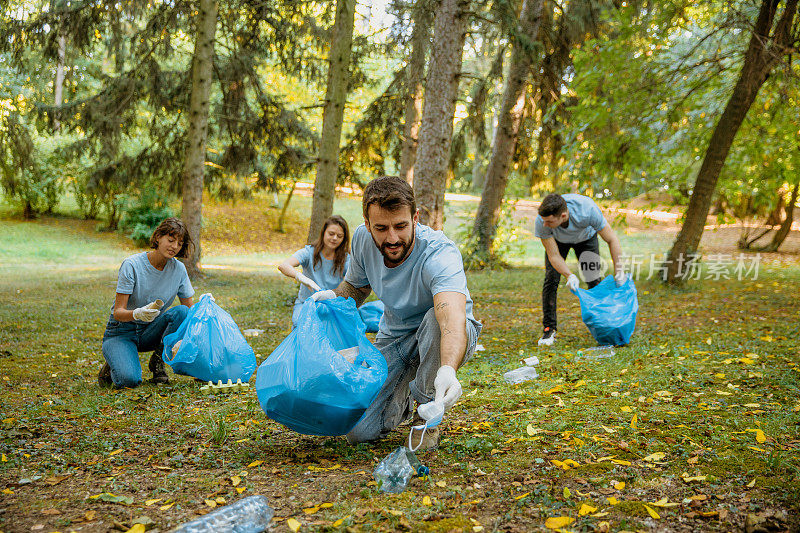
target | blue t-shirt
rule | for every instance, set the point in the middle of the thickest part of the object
(585, 220)
(145, 283)
(322, 274)
(433, 266)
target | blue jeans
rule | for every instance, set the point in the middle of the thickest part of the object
(413, 360)
(123, 341)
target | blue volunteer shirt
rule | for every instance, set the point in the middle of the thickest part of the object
(433, 266)
(145, 283)
(585, 220)
(322, 274)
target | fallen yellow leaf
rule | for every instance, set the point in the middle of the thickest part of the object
(394, 512)
(625, 409)
(293, 524)
(4, 458)
(653, 457)
(441, 484)
(633, 421)
(220, 500)
(621, 462)
(760, 437)
(235, 480)
(426, 500)
(7, 491)
(586, 509)
(165, 507)
(325, 505)
(612, 500)
(620, 485)
(255, 463)
(210, 503)
(521, 496)
(652, 512)
(338, 522)
(137, 528)
(752, 484)
(241, 489)
(557, 522)
(311, 510)
(115, 452)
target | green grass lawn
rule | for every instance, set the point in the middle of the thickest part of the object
(696, 420)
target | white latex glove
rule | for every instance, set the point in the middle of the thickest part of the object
(149, 312)
(573, 282)
(308, 282)
(447, 386)
(323, 295)
(620, 278)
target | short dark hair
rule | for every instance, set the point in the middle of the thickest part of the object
(390, 193)
(173, 227)
(552, 205)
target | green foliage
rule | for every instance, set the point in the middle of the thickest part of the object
(143, 215)
(505, 245)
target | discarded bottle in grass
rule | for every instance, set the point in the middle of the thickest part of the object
(396, 470)
(249, 515)
(520, 375)
(531, 361)
(596, 352)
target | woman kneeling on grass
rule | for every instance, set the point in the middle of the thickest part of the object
(324, 262)
(147, 282)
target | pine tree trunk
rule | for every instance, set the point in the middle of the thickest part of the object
(441, 90)
(505, 135)
(786, 225)
(420, 39)
(333, 114)
(202, 68)
(758, 62)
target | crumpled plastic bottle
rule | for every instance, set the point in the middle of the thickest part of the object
(396, 470)
(249, 515)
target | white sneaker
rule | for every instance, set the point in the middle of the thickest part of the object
(548, 337)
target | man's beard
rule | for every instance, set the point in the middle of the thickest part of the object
(405, 247)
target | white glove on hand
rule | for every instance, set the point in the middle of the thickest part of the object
(149, 312)
(308, 282)
(447, 386)
(620, 278)
(573, 282)
(323, 295)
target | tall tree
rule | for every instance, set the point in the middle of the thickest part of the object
(333, 114)
(770, 40)
(510, 116)
(420, 39)
(202, 71)
(441, 91)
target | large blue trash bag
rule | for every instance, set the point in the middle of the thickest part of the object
(371, 313)
(212, 347)
(307, 385)
(610, 311)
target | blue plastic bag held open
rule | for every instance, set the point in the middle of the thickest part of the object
(211, 346)
(610, 311)
(371, 313)
(308, 385)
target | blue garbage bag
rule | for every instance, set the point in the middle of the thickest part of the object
(307, 385)
(212, 347)
(371, 313)
(610, 311)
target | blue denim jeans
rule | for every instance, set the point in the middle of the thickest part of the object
(413, 360)
(123, 341)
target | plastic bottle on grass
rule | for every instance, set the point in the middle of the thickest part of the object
(520, 375)
(249, 515)
(596, 352)
(396, 470)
